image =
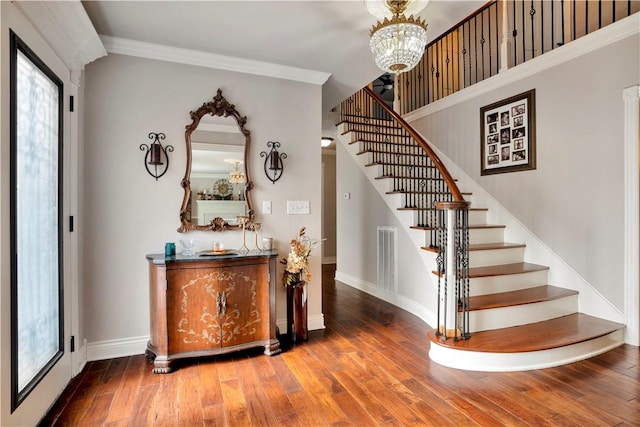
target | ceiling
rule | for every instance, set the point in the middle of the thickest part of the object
(331, 36)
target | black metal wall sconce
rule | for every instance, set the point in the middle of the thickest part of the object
(273, 166)
(156, 155)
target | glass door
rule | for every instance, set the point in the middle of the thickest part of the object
(39, 360)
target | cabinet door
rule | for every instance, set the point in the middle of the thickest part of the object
(245, 313)
(193, 309)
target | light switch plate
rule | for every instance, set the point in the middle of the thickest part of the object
(297, 207)
(266, 207)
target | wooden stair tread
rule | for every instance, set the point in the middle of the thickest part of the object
(505, 269)
(473, 226)
(368, 121)
(409, 177)
(484, 246)
(399, 164)
(545, 335)
(421, 192)
(371, 150)
(433, 209)
(496, 245)
(380, 138)
(519, 297)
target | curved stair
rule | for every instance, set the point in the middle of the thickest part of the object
(518, 320)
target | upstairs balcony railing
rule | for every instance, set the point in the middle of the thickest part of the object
(500, 35)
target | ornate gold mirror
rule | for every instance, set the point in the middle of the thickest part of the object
(216, 183)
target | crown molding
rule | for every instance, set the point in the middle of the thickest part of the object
(160, 52)
(68, 30)
(610, 34)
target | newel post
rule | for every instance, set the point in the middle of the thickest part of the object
(453, 270)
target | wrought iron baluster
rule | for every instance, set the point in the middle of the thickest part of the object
(464, 59)
(573, 35)
(532, 12)
(440, 266)
(553, 26)
(586, 18)
(497, 32)
(443, 248)
(489, 44)
(482, 41)
(542, 26)
(515, 34)
(475, 45)
(562, 21)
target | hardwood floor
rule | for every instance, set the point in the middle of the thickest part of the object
(369, 367)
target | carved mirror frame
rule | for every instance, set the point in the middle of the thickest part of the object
(220, 107)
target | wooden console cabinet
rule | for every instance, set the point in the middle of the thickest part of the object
(202, 306)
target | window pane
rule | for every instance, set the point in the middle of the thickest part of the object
(36, 211)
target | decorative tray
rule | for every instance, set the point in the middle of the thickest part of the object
(218, 253)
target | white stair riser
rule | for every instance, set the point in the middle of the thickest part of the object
(478, 217)
(486, 235)
(506, 283)
(368, 124)
(382, 170)
(508, 362)
(495, 257)
(355, 136)
(505, 317)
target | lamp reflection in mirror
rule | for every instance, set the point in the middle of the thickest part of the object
(236, 176)
(156, 155)
(273, 166)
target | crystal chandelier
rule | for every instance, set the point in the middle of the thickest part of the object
(236, 176)
(398, 43)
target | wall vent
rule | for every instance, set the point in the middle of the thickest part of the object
(387, 259)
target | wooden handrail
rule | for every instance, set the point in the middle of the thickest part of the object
(455, 192)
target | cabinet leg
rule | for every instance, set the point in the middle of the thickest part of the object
(162, 370)
(161, 365)
(272, 348)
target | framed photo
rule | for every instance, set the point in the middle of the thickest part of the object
(511, 123)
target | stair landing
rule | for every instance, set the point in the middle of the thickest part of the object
(538, 345)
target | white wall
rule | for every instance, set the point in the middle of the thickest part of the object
(574, 200)
(358, 219)
(128, 214)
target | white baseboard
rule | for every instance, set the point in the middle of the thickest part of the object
(79, 359)
(407, 304)
(314, 323)
(110, 349)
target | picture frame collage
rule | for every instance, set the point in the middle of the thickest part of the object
(507, 129)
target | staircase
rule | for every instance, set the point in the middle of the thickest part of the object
(517, 320)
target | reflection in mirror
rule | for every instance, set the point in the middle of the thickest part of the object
(216, 181)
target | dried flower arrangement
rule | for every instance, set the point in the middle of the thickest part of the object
(297, 262)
